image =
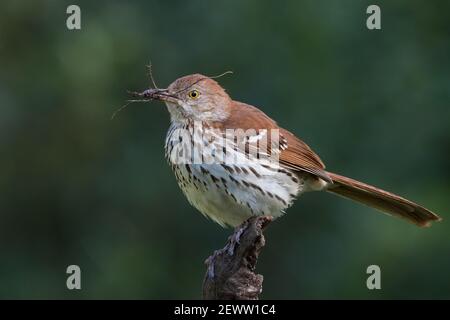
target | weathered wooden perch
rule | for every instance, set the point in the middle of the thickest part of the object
(230, 271)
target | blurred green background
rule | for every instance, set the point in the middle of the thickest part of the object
(78, 188)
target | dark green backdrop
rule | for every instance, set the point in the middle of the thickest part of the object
(78, 188)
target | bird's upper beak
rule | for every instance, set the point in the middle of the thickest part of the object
(155, 94)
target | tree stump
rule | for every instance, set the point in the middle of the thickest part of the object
(230, 271)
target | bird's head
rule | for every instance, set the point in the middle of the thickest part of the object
(194, 97)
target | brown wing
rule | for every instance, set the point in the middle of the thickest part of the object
(299, 156)
(295, 154)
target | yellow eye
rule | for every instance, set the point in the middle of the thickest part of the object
(194, 94)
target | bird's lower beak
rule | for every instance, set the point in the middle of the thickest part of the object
(155, 94)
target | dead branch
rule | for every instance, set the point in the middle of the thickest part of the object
(230, 271)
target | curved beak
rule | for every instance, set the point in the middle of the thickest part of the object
(155, 94)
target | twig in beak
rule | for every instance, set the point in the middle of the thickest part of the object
(127, 104)
(221, 75)
(150, 73)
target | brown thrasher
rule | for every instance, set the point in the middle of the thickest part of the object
(232, 161)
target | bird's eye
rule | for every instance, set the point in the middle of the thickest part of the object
(194, 94)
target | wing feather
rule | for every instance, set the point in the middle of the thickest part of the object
(295, 154)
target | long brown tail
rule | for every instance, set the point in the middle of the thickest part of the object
(382, 200)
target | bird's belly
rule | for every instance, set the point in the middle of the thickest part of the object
(229, 194)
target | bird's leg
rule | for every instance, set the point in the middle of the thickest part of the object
(230, 271)
(229, 248)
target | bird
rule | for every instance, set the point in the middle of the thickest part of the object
(231, 177)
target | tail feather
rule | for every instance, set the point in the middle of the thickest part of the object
(382, 200)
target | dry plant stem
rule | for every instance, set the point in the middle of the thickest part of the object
(150, 73)
(230, 271)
